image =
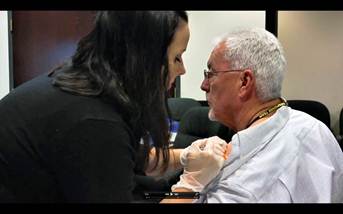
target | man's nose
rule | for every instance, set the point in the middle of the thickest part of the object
(205, 86)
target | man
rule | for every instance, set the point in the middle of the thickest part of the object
(278, 154)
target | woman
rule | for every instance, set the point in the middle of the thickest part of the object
(80, 133)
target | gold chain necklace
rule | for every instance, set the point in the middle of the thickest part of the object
(267, 112)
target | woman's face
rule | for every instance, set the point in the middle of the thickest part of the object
(175, 50)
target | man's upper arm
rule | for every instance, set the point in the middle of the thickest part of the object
(229, 193)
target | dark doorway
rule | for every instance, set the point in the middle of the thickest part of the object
(43, 39)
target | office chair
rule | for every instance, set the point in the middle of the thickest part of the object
(195, 125)
(341, 122)
(314, 108)
(340, 136)
(179, 106)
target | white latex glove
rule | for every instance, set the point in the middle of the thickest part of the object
(198, 143)
(202, 162)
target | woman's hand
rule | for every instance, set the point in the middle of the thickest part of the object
(202, 162)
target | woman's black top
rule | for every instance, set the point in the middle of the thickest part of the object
(60, 147)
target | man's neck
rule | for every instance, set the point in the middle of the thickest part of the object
(250, 112)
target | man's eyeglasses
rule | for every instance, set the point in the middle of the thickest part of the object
(208, 74)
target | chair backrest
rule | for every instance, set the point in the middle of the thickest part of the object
(313, 108)
(203, 102)
(341, 123)
(179, 106)
(195, 124)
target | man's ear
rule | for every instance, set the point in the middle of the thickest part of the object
(247, 79)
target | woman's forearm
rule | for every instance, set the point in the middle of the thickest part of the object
(178, 200)
(174, 162)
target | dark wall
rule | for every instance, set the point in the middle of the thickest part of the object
(43, 39)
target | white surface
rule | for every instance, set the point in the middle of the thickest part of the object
(4, 56)
(313, 43)
(204, 27)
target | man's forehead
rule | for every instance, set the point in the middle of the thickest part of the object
(217, 56)
(218, 51)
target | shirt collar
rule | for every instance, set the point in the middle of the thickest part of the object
(247, 140)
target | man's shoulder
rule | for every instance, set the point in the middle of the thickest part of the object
(302, 119)
(299, 124)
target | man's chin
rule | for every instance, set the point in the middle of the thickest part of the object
(211, 115)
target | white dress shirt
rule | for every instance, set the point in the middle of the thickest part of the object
(291, 157)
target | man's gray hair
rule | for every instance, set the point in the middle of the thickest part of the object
(259, 50)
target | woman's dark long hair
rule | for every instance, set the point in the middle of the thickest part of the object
(121, 61)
